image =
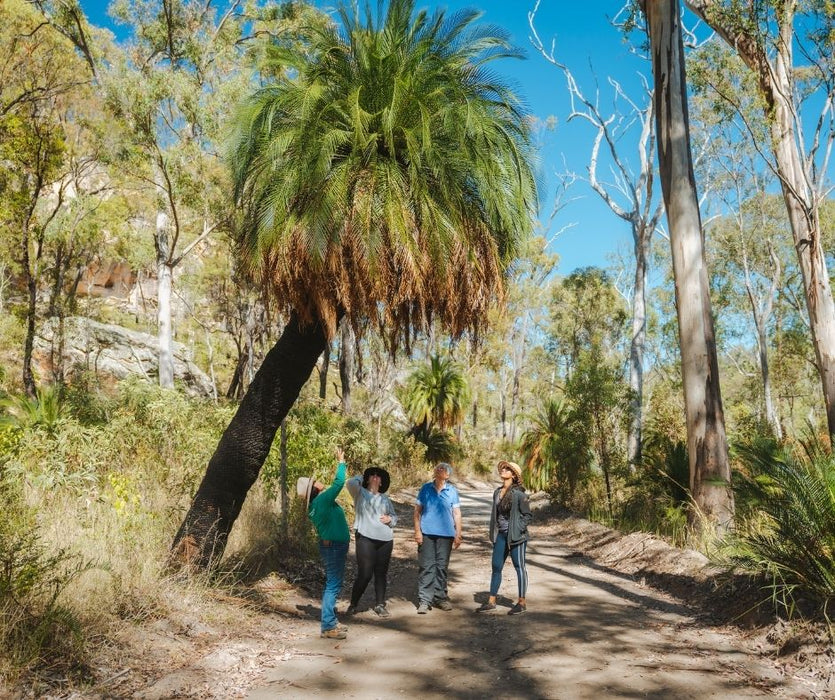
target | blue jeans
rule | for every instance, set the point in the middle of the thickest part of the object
(333, 556)
(517, 556)
(433, 560)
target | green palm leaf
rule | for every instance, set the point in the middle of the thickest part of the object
(387, 173)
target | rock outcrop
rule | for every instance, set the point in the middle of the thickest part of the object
(118, 352)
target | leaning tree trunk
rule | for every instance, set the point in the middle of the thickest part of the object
(706, 441)
(246, 443)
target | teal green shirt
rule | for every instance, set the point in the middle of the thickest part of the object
(327, 515)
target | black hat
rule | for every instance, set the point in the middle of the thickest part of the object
(385, 479)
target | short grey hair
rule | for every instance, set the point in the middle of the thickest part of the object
(445, 465)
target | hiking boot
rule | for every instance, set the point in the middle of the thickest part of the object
(335, 633)
(381, 610)
(443, 605)
(351, 610)
(517, 609)
(486, 607)
(423, 608)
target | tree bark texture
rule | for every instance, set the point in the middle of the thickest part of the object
(706, 439)
(245, 444)
(641, 239)
(797, 181)
(164, 282)
(346, 363)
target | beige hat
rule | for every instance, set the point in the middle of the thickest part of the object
(304, 487)
(515, 468)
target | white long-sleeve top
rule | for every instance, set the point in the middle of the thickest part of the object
(368, 508)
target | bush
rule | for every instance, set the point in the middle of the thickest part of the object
(36, 630)
(787, 533)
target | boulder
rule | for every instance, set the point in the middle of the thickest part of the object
(111, 350)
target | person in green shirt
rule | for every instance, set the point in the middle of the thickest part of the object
(332, 530)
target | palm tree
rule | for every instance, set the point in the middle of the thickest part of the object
(435, 397)
(436, 394)
(556, 448)
(384, 175)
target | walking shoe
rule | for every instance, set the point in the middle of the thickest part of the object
(381, 610)
(443, 605)
(335, 633)
(486, 607)
(351, 610)
(423, 608)
(517, 609)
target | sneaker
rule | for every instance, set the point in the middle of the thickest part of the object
(517, 609)
(335, 633)
(381, 610)
(486, 607)
(423, 608)
(351, 610)
(443, 605)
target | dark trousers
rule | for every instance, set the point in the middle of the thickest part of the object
(433, 562)
(373, 557)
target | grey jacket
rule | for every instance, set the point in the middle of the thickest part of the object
(520, 516)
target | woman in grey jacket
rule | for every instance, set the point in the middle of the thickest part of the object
(509, 534)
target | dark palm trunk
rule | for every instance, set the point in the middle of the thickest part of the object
(346, 363)
(246, 443)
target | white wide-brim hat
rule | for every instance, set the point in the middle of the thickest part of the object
(304, 487)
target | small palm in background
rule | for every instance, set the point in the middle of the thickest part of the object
(435, 398)
(45, 410)
(556, 449)
(787, 495)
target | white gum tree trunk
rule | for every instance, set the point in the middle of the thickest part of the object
(706, 439)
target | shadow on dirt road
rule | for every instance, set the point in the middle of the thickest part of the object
(588, 633)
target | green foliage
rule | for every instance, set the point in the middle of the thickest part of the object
(556, 450)
(313, 434)
(657, 498)
(44, 411)
(35, 628)
(436, 394)
(365, 173)
(788, 534)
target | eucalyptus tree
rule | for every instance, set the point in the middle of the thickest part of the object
(706, 440)
(765, 34)
(386, 174)
(629, 196)
(167, 87)
(45, 174)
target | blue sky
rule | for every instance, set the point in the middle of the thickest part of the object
(586, 41)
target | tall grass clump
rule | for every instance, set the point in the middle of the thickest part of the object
(786, 530)
(38, 629)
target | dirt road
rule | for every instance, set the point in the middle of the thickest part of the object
(588, 633)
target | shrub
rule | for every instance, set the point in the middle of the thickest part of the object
(788, 532)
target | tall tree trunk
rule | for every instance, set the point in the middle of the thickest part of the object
(323, 373)
(164, 281)
(710, 476)
(346, 363)
(31, 310)
(796, 173)
(245, 444)
(636, 349)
